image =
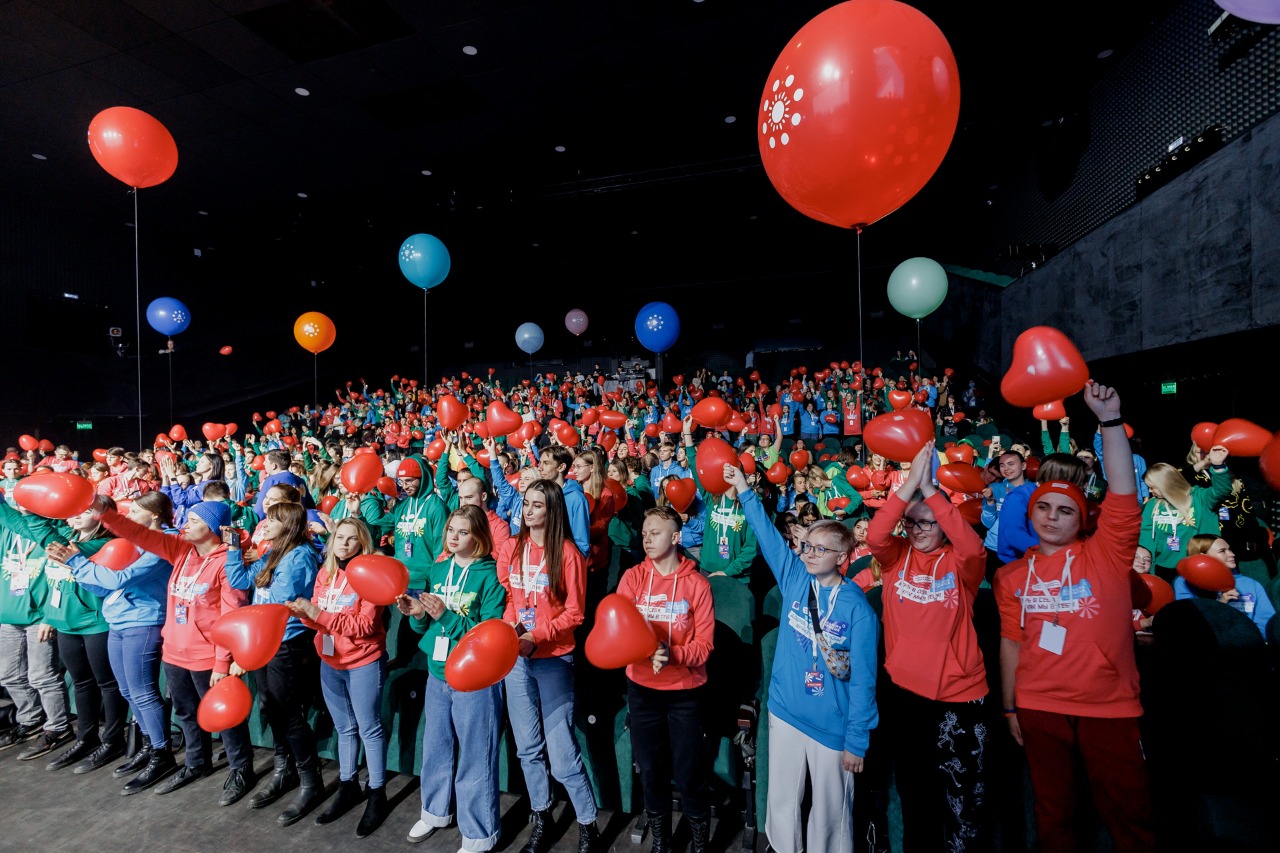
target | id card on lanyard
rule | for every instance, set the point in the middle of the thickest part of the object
(530, 583)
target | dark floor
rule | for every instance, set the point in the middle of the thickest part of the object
(59, 811)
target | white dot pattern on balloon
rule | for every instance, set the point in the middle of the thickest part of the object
(653, 323)
(779, 110)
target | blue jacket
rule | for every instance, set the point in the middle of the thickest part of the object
(1015, 532)
(660, 472)
(691, 531)
(510, 502)
(294, 578)
(843, 714)
(575, 501)
(991, 515)
(287, 478)
(1139, 468)
(810, 423)
(184, 499)
(1263, 609)
(788, 420)
(134, 597)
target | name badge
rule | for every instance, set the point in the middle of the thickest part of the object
(55, 597)
(326, 645)
(724, 549)
(1052, 637)
(1173, 543)
(440, 652)
(1224, 514)
(18, 582)
(180, 614)
(527, 617)
(813, 682)
(408, 548)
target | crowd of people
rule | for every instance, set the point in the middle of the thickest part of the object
(881, 668)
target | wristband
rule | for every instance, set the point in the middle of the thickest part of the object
(1011, 712)
(1114, 422)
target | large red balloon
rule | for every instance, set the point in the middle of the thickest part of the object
(959, 477)
(613, 419)
(451, 412)
(133, 147)
(213, 431)
(1241, 437)
(1269, 462)
(1205, 572)
(620, 636)
(54, 495)
(360, 473)
(712, 412)
(800, 459)
(961, 453)
(327, 503)
(253, 633)
(748, 462)
(971, 510)
(858, 111)
(501, 420)
(671, 424)
(435, 449)
(377, 578)
(681, 493)
(899, 400)
(713, 454)
(226, 705)
(1202, 434)
(618, 491)
(1161, 593)
(177, 432)
(1046, 367)
(314, 332)
(483, 656)
(117, 554)
(898, 436)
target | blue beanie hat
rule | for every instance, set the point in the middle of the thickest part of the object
(216, 514)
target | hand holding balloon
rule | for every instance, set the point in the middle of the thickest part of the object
(303, 608)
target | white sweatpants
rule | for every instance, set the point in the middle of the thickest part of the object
(794, 755)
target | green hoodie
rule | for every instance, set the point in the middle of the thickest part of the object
(371, 509)
(728, 543)
(417, 524)
(477, 595)
(63, 603)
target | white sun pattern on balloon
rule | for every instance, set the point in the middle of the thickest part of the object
(178, 316)
(653, 322)
(311, 330)
(780, 111)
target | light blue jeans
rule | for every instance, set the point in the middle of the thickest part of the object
(354, 699)
(474, 721)
(540, 705)
(134, 654)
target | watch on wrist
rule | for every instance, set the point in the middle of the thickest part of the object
(1113, 422)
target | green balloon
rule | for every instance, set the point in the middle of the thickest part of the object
(917, 286)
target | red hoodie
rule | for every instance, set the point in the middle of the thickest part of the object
(930, 645)
(525, 578)
(359, 636)
(499, 529)
(682, 614)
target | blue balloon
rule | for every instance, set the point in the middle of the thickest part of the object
(424, 260)
(168, 316)
(657, 326)
(529, 337)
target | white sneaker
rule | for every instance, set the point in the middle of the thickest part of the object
(421, 832)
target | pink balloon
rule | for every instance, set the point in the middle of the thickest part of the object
(576, 321)
(1257, 11)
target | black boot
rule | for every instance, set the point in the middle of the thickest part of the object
(310, 793)
(283, 780)
(538, 841)
(375, 812)
(136, 762)
(700, 830)
(159, 765)
(348, 795)
(588, 838)
(660, 831)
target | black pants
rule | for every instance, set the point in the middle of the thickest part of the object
(98, 698)
(287, 687)
(186, 688)
(668, 742)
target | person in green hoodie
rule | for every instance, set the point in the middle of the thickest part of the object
(728, 545)
(418, 521)
(463, 591)
(1175, 511)
(837, 472)
(75, 614)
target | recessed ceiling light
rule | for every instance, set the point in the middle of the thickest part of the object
(203, 212)
(753, 217)
(634, 233)
(559, 149)
(426, 172)
(470, 50)
(1103, 54)
(730, 119)
(39, 156)
(302, 195)
(536, 245)
(301, 91)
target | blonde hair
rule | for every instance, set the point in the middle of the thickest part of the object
(1201, 543)
(594, 484)
(1173, 487)
(363, 536)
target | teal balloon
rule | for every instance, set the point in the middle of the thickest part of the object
(424, 260)
(917, 286)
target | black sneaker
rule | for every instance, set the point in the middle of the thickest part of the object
(184, 777)
(77, 751)
(104, 754)
(19, 734)
(239, 783)
(45, 744)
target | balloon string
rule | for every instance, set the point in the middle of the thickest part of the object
(425, 315)
(859, 264)
(169, 353)
(137, 308)
(315, 381)
(919, 352)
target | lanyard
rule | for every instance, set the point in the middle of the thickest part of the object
(817, 614)
(648, 596)
(531, 580)
(1064, 583)
(451, 593)
(334, 593)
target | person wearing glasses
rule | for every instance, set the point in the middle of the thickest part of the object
(938, 682)
(822, 691)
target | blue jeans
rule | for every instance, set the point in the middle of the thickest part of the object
(135, 659)
(540, 705)
(354, 699)
(474, 720)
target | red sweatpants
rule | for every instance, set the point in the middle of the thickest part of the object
(1109, 753)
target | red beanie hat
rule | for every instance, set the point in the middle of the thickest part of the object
(409, 468)
(1060, 487)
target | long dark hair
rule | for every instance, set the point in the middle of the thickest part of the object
(217, 467)
(293, 534)
(553, 537)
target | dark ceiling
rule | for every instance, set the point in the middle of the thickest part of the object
(655, 195)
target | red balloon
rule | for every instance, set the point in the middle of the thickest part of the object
(961, 453)
(652, 430)
(253, 633)
(1241, 437)
(899, 400)
(1207, 573)
(778, 473)
(678, 379)
(620, 636)
(327, 503)
(568, 436)
(712, 412)
(1033, 468)
(54, 495)
(387, 485)
(451, 412)
(117, 554)
(231, 429)
(1269, 462)
(257, 464)
(133, 147)
(224, 706)
(360, 473)
(589, 416)
(608, 440)
(100, 455)
(272, 427)
(500, 420)
(959, 477)
(435, 449)
(858, 478)
(177, 433)
(957, 417)
(224, 351)
(483, 656)
(377, 578)
(671, 424)
(713, 454)
(680, 493)
(1161, 593)
(1202, 434)
(838, 503)
(1046, 367)
(619, 493)
(28, 442)
(971, 510)
(213, 431)
(898, 436)
(1051, 411)
(748, 462)
(613, 419)
(736, 423)
(858, 111)
(801, 459)
(878, 384)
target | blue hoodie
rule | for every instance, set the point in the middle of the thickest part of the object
(134, 597)
(295, 577)
(1014, 533)
(575, 501)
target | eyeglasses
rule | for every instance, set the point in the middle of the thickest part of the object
(817, 550)
(924, 524)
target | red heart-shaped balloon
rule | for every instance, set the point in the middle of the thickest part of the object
(1241, 437)
(451, 412)
(224, 706)
(1051, 411)
(613, 419)
(1207, 573)
(608, 441)
(377, 578)
(959, 477)
(961, 453)
(620, 636)
(858, 478)
(971, 510)
(483, 656)
(898, 436)
(671, 424)
(619, 493)
(360, 473)
(900, 399)
(800, 459)
(680, 493)
(253, 633)
(118, 554)
(1046, 367)
(500, 420)
(1161, 593)
(778, 473)
(1202, 434)
(54, 495)
(1269, 462)
(713, 454)
(712, 412)
(748, 462)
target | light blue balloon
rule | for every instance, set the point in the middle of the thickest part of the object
(529, 337)
(657, 326)
(168, 316)
(917, 286)
(424, 260)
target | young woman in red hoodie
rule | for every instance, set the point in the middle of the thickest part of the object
(352, 643)
(665, 694)
(1068, 674)
(545, 577)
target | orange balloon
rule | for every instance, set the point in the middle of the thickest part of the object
(226, 705)
(314, 331)
(483, 656)
(253, 633)
(620, 636)
(133, 147)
